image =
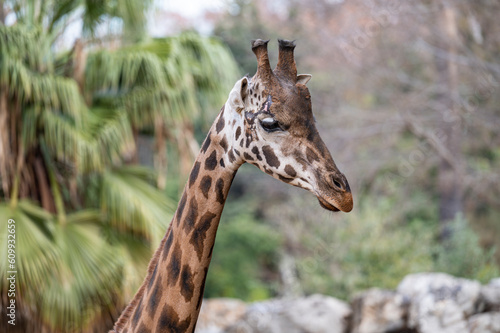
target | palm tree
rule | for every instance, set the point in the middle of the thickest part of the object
(87, 220)
(63, 185)
(52, 17)
(163, 85)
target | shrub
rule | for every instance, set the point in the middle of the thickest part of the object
(245, 256)
(463, 256)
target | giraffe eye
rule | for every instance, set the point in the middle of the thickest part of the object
(270, 125)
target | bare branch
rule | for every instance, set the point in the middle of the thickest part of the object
(431, 138)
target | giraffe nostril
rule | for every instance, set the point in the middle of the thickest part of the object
(337, 183)
(347, 187)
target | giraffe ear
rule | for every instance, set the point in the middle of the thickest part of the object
(238, 95)
(303, 78)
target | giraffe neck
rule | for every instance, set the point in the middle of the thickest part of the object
(170, 297)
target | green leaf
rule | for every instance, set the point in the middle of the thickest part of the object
(132, 205)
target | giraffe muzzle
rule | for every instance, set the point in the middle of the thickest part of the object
(345, 203)
(335, 194)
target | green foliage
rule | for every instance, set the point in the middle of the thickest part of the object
(130, 205)
(245, 250)
(26, 71)
(53, 16)
(363, 250)
(24, 44)
(61, 267)
(376, 245)
(373, 247)
(462, 255)
(86, 252)
(382, 96)
(171, 79)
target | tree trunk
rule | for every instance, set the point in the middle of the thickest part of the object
(46, 198)
(450, 176)
(133, 158)
(79, 62)
(3, 13)
(185, 156)
(5, 151)
(188, 147)
(193, 145)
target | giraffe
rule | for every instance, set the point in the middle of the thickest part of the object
(267, 121)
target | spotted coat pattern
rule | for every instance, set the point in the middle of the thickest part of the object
(169, 300)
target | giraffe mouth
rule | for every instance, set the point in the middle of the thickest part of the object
(326, 205)
(345, 203)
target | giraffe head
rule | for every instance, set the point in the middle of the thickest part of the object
(272, 124)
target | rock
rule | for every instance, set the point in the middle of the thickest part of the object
(318, 313)
(430, 316)
(440, 302)
(423, 303)
(490, 295)
(485, 323)
(219, 313)
(377, 310)
(313, 314)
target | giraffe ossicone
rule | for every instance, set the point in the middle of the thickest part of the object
(267, 121)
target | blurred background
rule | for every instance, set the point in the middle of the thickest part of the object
(103, 105)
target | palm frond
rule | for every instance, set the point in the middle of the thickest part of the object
(33, 211)
(133, 14)
(94, 12)
(117, 71)
(85, 216)
(89, 273)
(110, 139)
(135, 253)
(28, 45)
(133, 205)
(170, 78)
(104, 139)
(204, 56)
(41, 90)
(68, 272)
(61, 9)
(36, 256)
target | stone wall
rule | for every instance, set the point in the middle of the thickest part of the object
(422, 303)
